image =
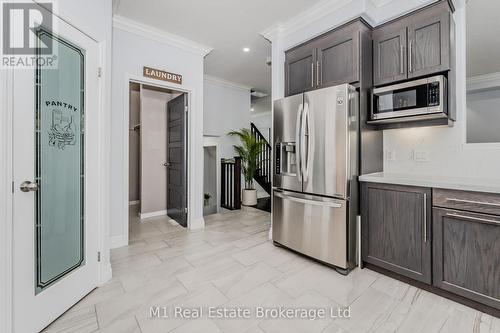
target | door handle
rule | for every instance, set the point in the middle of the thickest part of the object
(166, 164)
(402, 59)
(318, 73)
(425, 217)
(28, 186)
(410, 57)
(312, 74)
(298, 139)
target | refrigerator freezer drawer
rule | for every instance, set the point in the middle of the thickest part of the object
(314, 226)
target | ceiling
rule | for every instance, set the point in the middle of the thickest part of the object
(483, 29)
(225, 25)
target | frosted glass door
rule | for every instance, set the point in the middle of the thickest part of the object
(59, 169)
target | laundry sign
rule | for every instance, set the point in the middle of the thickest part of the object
(162, 75)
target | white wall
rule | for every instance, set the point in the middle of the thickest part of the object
(226, 108)
(263, 122)
(130, 53)
(448, 154)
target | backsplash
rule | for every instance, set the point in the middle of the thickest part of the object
(441, 151)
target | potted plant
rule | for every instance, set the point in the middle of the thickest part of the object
(206, 198)
(248, 151)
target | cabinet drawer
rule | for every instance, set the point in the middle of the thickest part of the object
(487, 203)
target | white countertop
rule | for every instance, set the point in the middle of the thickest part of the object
(452, 183)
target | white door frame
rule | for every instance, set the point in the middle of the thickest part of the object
(126, 126)
(6, 187)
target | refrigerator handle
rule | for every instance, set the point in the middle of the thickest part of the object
(298, 153)
(304, 153)
(280, 194)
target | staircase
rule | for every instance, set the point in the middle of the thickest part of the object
(264, 170)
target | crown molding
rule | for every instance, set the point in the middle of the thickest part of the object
(227, 83)
(319, 10)
(161, 36)
(371, 10)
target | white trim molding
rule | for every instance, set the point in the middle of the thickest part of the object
(337, 12)
(152, 214)
(161, 36)
(227, 83)
(6, 200)
(483, 82)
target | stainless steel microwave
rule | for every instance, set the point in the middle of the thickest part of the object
(419, 99)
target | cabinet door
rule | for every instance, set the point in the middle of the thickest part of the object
(396, 229)
(429, 43)
(466, 248)
(338, 59)
(389, 55)
(299, 70)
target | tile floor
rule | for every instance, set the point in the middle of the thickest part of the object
(231, 263)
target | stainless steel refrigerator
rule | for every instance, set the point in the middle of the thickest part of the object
(315, 189)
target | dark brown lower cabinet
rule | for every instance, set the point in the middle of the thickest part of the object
(466, 253)
(396, 229)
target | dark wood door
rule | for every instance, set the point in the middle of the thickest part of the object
(466, 250)
(177, 159)
(300, 69)
(338, 58)
(389, 54)
(429, 42)
(396, 232)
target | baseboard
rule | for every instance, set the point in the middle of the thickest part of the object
(196, 224)
(133, 203)
(152, 214)
(118, 241)
(106, 273)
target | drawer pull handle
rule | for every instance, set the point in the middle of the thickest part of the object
(474, 202)
(473, 218)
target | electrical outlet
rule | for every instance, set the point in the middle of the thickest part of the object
(390, 155)
(420, 156)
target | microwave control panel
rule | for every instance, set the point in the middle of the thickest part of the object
(433, 94)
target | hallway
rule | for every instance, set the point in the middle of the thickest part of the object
(232, 264)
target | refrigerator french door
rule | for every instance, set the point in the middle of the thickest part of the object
(315, 174)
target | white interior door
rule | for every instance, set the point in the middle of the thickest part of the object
(56, 158)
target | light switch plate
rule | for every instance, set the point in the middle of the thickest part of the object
(420, 156)
(390, 155)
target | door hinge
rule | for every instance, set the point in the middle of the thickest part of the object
(98, 256)
(99, 71)
(186, 109)
(185, 210)
(12, 186)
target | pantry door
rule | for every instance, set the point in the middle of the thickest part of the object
(55, 188)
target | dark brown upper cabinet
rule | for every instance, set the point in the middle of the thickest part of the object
(396, 229)
(338, 58)
(416, 45)
(429, 42)
(300, 70)
(331, 59)
(389, 55)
